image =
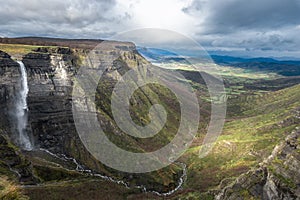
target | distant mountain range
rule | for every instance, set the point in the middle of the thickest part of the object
(231, 59)
(157, 55)
(285, 68)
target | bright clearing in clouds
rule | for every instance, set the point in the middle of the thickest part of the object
(166, 14)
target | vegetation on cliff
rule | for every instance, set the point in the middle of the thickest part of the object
(259, 117)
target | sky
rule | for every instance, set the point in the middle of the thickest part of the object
(256, 28)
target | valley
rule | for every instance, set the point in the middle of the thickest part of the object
(263, 117)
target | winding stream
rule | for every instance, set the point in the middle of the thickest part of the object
(82, 169)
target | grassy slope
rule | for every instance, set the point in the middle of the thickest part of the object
(245, 141)
(9, 190)
(13, 49)
(10, 159)
(42, 41)
(79, 189)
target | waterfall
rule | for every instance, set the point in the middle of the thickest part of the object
(62, 73)
(22, 109)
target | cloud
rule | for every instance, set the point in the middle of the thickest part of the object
(78, 12)
(68, 18)
(234, 15)
(257, 25)
(268, 25)
(91, 18)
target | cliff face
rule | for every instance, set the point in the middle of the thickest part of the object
(50, 87)
(10, 76)
(50, 72)
(11, 162)
(276, 178)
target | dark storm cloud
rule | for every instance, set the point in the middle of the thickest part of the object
(232, 15)
(253, 25)
(255, 41)
(68, 18)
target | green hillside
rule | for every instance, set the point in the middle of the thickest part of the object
(245, 141)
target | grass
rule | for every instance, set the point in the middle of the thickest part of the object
(139, 108)
(10, 190)
(244, 141)
(20, 49)
(13, 49)
(78, 189)
(225, 71)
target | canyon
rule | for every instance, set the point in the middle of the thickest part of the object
(42, 153)
(48, 127)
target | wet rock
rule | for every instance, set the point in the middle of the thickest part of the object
(12, 162)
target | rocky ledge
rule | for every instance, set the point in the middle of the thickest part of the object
(276, 178)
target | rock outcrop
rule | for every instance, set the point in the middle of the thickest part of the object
(14, 164)
(9, 85)
(277, 178)
(50, 73)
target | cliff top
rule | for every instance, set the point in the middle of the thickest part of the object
(41, 41)
(18, 47)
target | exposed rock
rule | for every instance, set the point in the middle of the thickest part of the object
(9, 84)
(49, 98)
(12, 164)
(276, 178)
(4, 55)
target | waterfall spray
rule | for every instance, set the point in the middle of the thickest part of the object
(22, 109)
